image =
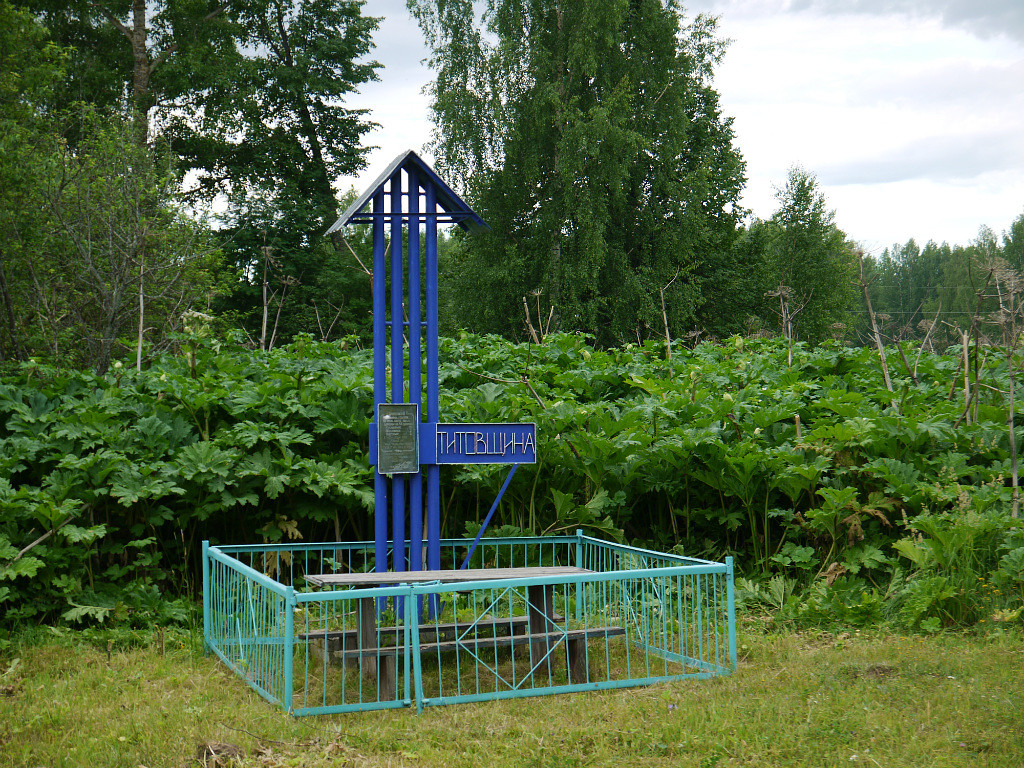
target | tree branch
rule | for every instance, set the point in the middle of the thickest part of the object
(170, 50)
(114, 20)
(284, 39)
(40, 540)
(354, 254)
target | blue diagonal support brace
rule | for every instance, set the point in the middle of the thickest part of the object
(487, 520)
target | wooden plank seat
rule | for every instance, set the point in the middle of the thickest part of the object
(390, 578)
(337, 639)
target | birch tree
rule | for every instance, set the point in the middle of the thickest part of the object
(589, 136)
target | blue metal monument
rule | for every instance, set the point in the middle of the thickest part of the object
(408, 201)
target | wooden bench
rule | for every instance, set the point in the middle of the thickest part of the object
(342, 645)
(575, 643)
(339, 639)
(380, 661)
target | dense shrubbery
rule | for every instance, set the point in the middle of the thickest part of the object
(840, 500)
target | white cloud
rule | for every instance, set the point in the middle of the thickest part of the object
(943, 158)
(877, 105)
(986, 18)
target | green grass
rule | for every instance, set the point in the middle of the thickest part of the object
(803, 699)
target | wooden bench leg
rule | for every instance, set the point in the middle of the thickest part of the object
(386, 679)
(335, 651)
(382, 667)
(577, 652)
(316, 651)
(368, 635)
(541, 599)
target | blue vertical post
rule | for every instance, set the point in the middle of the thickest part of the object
(397, 364)
(380, 483)
(433, 409)
(415, 380)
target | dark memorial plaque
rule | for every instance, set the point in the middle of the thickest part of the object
(398, 438)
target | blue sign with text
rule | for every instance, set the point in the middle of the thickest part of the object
(485, 444)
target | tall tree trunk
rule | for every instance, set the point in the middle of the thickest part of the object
(555, 293)
(1015, 477)
(967, 373)
(9, 309)
(141, 65)
(140, 70)
(111, 326)
(874, 324)
(142, 310)
(266, 298)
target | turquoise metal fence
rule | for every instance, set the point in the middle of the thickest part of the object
(632, 617)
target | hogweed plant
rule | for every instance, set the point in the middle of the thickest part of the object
(815, 472)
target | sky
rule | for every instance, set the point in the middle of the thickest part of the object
(910, 113)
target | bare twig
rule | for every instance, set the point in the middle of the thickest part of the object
(874, 323)
(788, 315)
(971, 396)
(356, 256)
(906, 363)
(280, 305)
(263, 740)
(990, 388)
(926, 335)
(1014, 474)
(967, 376)
(113, 20)
(529, 322)
(316, 309)
(664, 318)
(40, 540)
(525, 381)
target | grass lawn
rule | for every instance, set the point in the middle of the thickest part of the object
(804, 699)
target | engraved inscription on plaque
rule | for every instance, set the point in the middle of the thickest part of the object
(398, 438)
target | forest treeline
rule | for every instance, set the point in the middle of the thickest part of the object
(587, 135)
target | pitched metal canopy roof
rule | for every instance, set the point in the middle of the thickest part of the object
(457, 211)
